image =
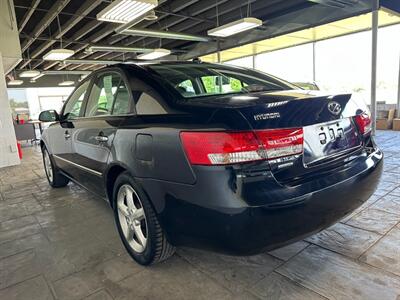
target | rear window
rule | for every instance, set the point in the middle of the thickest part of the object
(199, 80)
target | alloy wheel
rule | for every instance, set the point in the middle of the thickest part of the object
(132, 218)
(47, 166)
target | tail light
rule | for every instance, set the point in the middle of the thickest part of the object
(363, 122)
(221, 148)
(281, 142)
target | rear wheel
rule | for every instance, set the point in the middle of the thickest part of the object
(137, 224)
(54, 177)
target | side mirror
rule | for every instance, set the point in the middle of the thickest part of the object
(49, 116)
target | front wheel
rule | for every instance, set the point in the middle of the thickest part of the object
(54, 178)
(137, 224)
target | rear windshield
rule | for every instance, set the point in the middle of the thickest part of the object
(199, 80)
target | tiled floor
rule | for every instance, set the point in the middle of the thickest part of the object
(61, 243)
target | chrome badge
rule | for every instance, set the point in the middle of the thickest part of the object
(335, 108)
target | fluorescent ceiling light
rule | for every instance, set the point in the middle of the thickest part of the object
(163, 34)
(66, 83)
(117, 49)
(29, 74)
(58, 54)
(235, 27)
(125, 11)
(15, 82)
(156, 53)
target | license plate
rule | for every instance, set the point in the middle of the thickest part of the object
(329, 139)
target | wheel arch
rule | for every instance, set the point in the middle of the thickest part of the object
(111, 176)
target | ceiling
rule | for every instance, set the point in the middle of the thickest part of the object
(318, 33)
(45, 24)
(50, 24)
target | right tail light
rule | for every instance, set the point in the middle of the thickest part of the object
(364, 123)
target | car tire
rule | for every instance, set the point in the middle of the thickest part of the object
(137, 223)
(54, 177)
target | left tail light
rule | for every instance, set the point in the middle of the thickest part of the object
(221, 148)
(364, 122)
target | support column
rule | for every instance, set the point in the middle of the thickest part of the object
(398, 93)
(8, 142)
(313, 62)
(374, 52)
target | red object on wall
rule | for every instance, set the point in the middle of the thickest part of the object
(19, 150)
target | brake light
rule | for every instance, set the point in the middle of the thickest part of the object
(221, 148)
(281, 142)
(364, 122)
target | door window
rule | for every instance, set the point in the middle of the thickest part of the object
(122, 103)
(102, 95)
(74, 108)
(149, 105)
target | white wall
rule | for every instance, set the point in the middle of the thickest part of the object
(8, 142)
(34, 95)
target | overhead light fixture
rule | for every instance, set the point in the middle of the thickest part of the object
(163, 34)
(58, 54)
(92, 49)
(156, 53)
(29, 74)
(235, 27)
(125, 11)
(151, 16)
(66, 83)
(15, 82)
(40, 75)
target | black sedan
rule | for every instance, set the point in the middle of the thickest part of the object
(211, 156)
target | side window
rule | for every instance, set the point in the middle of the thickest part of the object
(186, 88)
(149, 105)
(74, 106)
(122, 102)
(102, 95)
(221, 84)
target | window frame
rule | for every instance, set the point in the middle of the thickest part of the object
(124, 78)
(91, 78)
(83, 107)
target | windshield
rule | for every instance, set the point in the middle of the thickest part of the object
(199, 80)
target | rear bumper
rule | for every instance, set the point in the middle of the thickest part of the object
(221, 216)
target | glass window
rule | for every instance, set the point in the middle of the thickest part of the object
(122, 103)
(149, 105)
(73, 107)
(186, 87)
(209, 79)
(102, 95)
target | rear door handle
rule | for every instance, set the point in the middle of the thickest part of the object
(67, 135)
(101, 138)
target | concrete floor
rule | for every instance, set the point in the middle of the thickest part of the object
(62, 243)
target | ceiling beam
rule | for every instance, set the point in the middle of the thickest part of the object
(82, 11)
(298, 19)
(28, 15)
(45, 22)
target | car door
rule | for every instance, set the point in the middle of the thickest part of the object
(59, 134)
(109, 102)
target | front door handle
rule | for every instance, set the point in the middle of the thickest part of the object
(67, 135)
(101, 138)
